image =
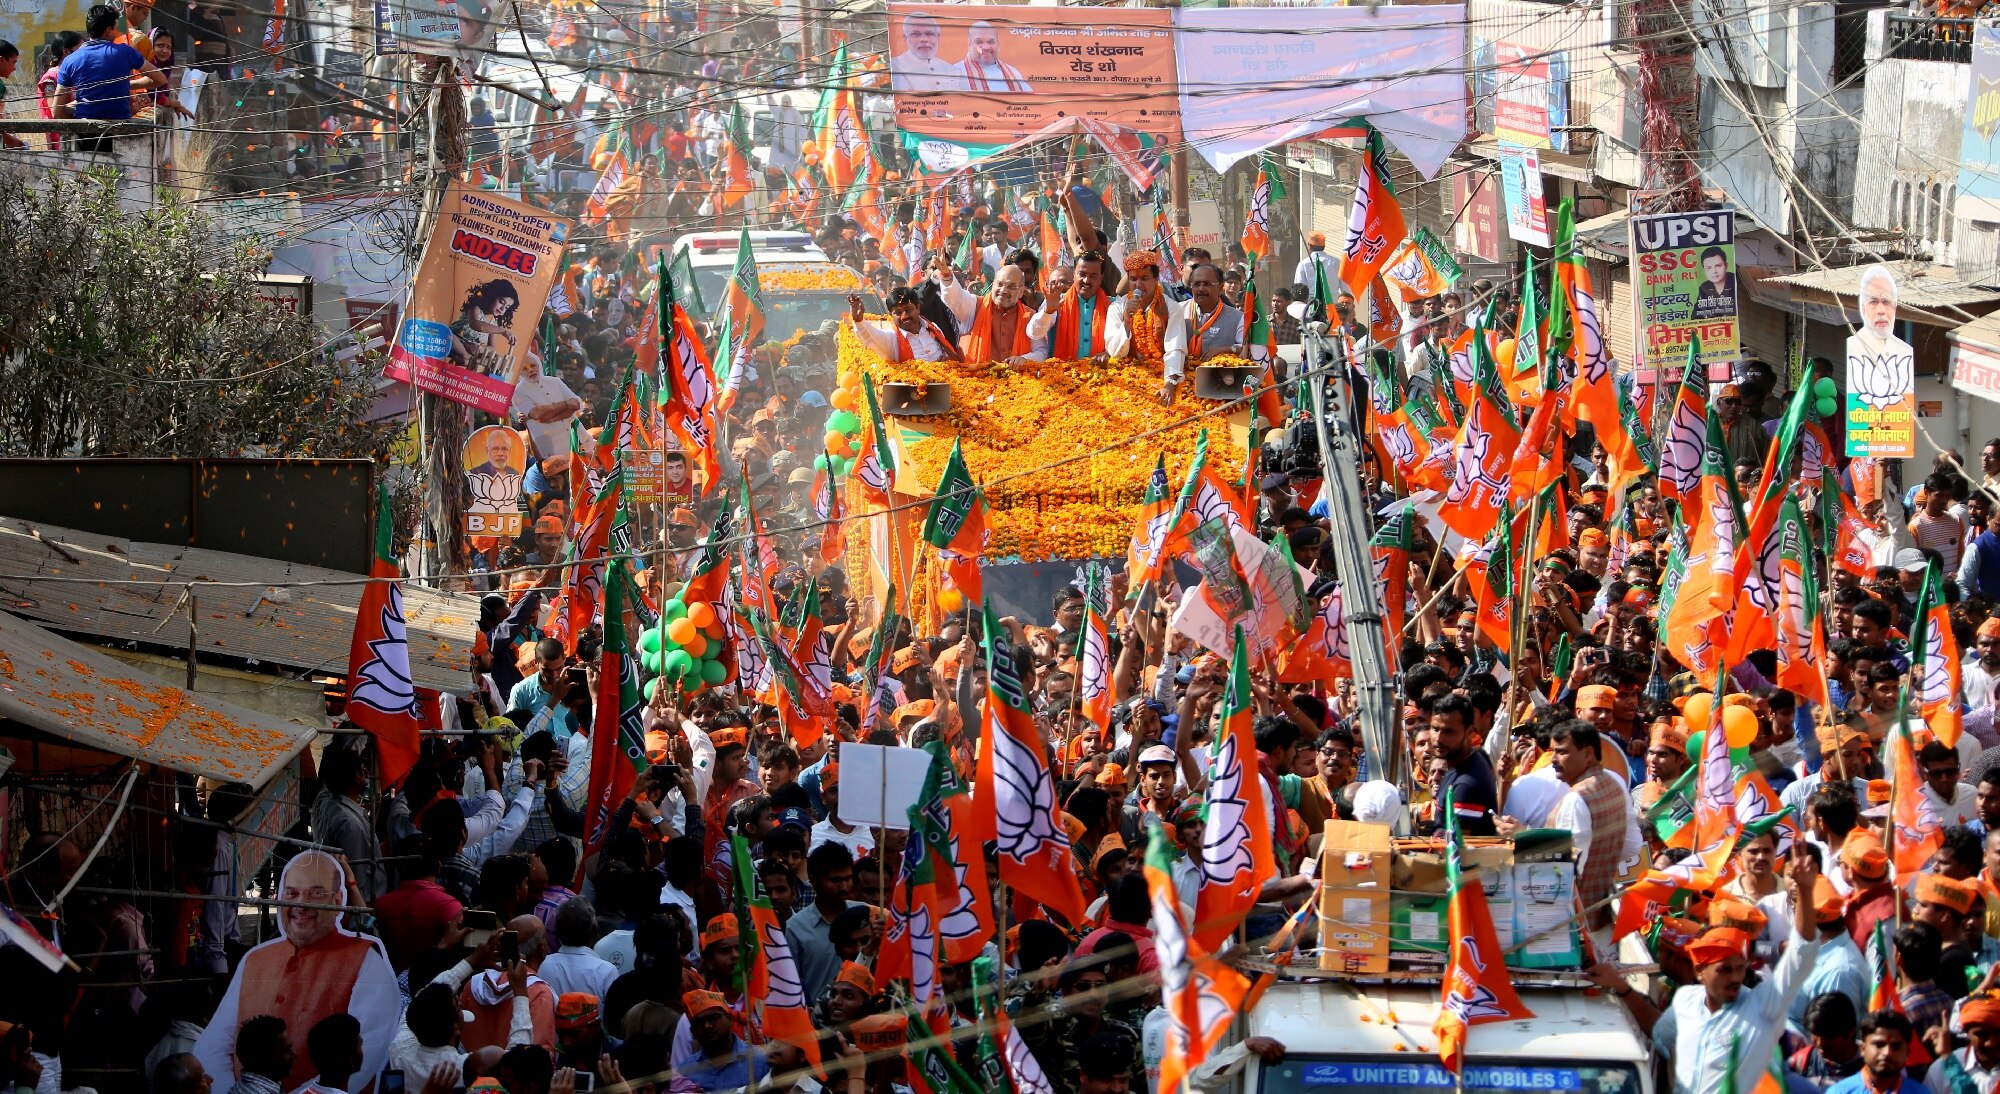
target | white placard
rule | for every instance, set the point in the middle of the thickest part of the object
(878, 784)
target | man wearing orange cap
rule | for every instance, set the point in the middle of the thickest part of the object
(1871, 897)
(548, 542)
(851, 996)
(1979, 1060)
(1980, 672)
(1718, 1023)
(1944, 903)
(720, 1056)
(1666, 761)
(1593, 552)
(1316, 264)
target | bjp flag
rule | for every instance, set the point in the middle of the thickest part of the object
(1934, 654)
(1374, 222)
(1476, 987)
(1481, 468)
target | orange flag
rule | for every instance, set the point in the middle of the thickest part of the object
(1917, 832)
(1374, 222)
(1236, 857)
(1015, 786)
(1934, 653)
(1476, 988)
(1481, 468)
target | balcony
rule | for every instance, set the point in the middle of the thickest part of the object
(1923, 38)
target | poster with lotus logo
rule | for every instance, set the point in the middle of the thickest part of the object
(495, 463)
(1881, 376)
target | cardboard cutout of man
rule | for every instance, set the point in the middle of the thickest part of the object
(317, 968)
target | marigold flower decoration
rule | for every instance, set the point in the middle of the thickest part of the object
(1015, 421)
(829, 278)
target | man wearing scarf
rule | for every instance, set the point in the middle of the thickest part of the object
(1082, 315)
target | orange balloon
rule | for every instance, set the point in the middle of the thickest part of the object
(1504, 353)
(834, 439)
(1698, 708)
(696, 645)
(701, 614)
(951, 600)
(843, 398)
(1739, 726)
(681, 631)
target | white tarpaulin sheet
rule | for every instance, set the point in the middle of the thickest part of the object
(1402, 68)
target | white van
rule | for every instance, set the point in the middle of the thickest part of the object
(788, 309)
(1345, 1037)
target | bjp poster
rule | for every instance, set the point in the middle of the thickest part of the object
(972, 80)
(495, 462)
(1881, 376)
(468, 331)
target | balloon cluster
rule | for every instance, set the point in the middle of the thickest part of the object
(1825, 397)
(1739, 728)
(843, 429)
(687, 648)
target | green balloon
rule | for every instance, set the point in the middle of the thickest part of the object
(649, 640)
(676, 665)
(673, 609)
(1825, 407)
(648, 689)
(650, 661)
(819, 463)
(843, 421)
(842, 465)
(1823, 388)
(713, 671)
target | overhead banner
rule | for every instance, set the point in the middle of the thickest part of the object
(1684, 286)
(467, 329)
(1881, 376)
(442, 27)
(1525, 195)
(1254, 78)
(982, 78)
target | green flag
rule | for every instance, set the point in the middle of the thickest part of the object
(956, 495)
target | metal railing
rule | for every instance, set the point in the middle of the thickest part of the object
(1927, 38)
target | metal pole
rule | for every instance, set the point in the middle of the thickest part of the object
(1340, 457)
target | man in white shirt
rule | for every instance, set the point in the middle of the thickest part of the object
(1316, 256)
(574, 966)
(1717, 1024)
(908, 337)
(788, 134)
(856, 838)
(918, 68)
(1952, 799)
(1981, 671)
(1142, 277)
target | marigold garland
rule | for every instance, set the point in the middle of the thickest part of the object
(828, 278)
(1016, 419)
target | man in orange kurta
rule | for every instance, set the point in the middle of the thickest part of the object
(316, 969)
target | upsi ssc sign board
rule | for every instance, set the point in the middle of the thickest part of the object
(1684, 286)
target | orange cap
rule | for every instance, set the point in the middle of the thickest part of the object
(1864, 858)
(1717, 944)
(1596, 697)
(1949, 892)
(856, 976)
(548, 526)
(694, 1004)
(722, 928)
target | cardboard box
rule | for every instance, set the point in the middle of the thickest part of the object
(1544, 896)
(1492, 867)
(1354, 898)
(1419, 923)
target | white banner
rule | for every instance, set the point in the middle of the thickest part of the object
(1402, 68)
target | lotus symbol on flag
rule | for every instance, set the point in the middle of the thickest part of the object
(1025, 802)
(1225, 846)
(1401, 445)
(786, 990)
(384, 681)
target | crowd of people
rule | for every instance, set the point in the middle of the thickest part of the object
(481, 923)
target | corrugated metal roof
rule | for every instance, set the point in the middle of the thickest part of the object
(1918, 284)
(76, 693)
(305, 629)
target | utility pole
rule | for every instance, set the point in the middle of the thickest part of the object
(442, 425)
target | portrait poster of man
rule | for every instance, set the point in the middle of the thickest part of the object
(1881, 375)
(316, 967)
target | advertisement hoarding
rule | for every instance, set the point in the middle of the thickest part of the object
(1684, 286)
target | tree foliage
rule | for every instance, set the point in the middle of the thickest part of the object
(140, 334)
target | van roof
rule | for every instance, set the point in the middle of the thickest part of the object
(1345, 1017)
(795, 245)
